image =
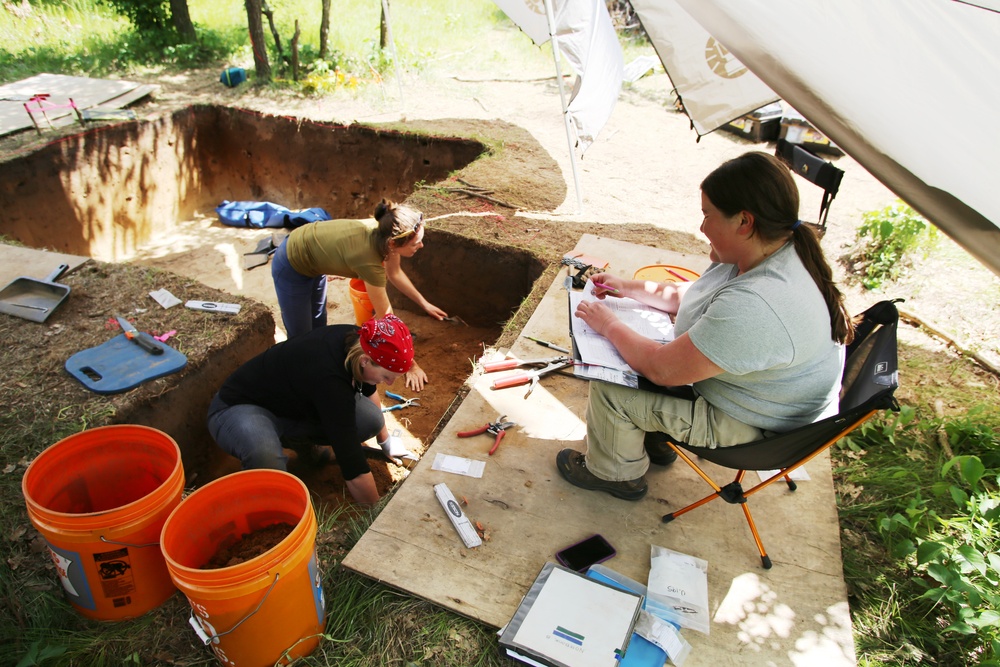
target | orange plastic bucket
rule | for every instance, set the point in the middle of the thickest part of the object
(363, 308)
(100, 499)
(266, 610)
(665, 273)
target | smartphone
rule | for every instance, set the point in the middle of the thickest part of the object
(583, 554)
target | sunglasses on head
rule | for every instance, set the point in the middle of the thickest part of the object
(416, 228)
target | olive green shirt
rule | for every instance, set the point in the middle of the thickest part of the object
(337, 248)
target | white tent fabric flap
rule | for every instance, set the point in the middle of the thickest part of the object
(711, 83)
(903, 88)
(529, 15)
(587, 39)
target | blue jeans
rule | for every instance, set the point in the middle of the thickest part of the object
(302, 299)
(253, 434)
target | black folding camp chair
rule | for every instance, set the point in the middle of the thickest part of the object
(869, 381)
(815, 170)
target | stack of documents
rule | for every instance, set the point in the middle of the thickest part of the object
(601, 361)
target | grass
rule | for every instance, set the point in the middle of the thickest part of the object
(83, 37)
(895, 491)
(890, 469)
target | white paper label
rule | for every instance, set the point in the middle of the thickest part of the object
(458, 465)
(164, 298)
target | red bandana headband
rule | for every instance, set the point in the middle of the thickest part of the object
(388, 342)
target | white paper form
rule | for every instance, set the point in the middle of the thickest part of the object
(797, 475)
(597, 350)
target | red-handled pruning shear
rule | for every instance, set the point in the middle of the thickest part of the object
(497, 428)
(530, 378)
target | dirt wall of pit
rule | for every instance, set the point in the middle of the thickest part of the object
(182, 411)
(104, 192)
(484, 283)
(42, 399)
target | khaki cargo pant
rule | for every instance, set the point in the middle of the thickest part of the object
(618, 418)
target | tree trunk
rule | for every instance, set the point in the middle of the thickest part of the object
(295, 52)
(324, 30)
(256, 26)
(383, 39)
(181, 19)
(269, 13)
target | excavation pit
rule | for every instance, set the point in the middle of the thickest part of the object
(110, 192)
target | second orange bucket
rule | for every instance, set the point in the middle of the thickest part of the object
(267, 609)
(363, 308)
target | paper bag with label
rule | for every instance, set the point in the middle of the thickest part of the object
(677, 589)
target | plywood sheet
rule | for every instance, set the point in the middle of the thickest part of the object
(795, 613)
(84, 91)
(17, 261)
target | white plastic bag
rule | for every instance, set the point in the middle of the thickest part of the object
(677, 589)
(663, 635)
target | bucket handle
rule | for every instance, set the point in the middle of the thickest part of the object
(126, 544)
(208, 639)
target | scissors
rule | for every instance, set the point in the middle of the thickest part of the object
(530, 377)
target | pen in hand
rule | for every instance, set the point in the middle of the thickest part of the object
(607, 288)
(676, 275)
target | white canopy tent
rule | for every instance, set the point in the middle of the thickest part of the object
(905, 88)
(580, 31)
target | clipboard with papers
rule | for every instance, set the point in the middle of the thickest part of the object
(569, 620)
(597, 359)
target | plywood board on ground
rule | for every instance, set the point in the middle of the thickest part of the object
(17, 261)
(84, 91)
(794, 614)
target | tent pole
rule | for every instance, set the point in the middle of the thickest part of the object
(550, 16)
(392, 47)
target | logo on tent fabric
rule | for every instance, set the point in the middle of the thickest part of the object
(537, 6)
(721, 62)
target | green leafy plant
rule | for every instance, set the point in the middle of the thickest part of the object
(949, 543)
(917, 498)
(886, 240)
(38, 654)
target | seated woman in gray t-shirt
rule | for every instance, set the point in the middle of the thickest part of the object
(760, 335)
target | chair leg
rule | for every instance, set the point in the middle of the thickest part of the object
(764, 559)
(732, 493)
(667, 518)
(791, 483)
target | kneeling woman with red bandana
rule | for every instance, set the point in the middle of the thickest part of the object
(318, 386)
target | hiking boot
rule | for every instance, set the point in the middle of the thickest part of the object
(658, 450)
(572, 466)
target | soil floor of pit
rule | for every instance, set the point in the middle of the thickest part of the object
(447, 352)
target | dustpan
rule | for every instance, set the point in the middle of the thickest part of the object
(33, 299)
(259, 255)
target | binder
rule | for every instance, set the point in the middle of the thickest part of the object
(569, 620)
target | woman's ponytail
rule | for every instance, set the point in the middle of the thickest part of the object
(807, 246)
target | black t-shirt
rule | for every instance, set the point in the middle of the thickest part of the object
(304, 379)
